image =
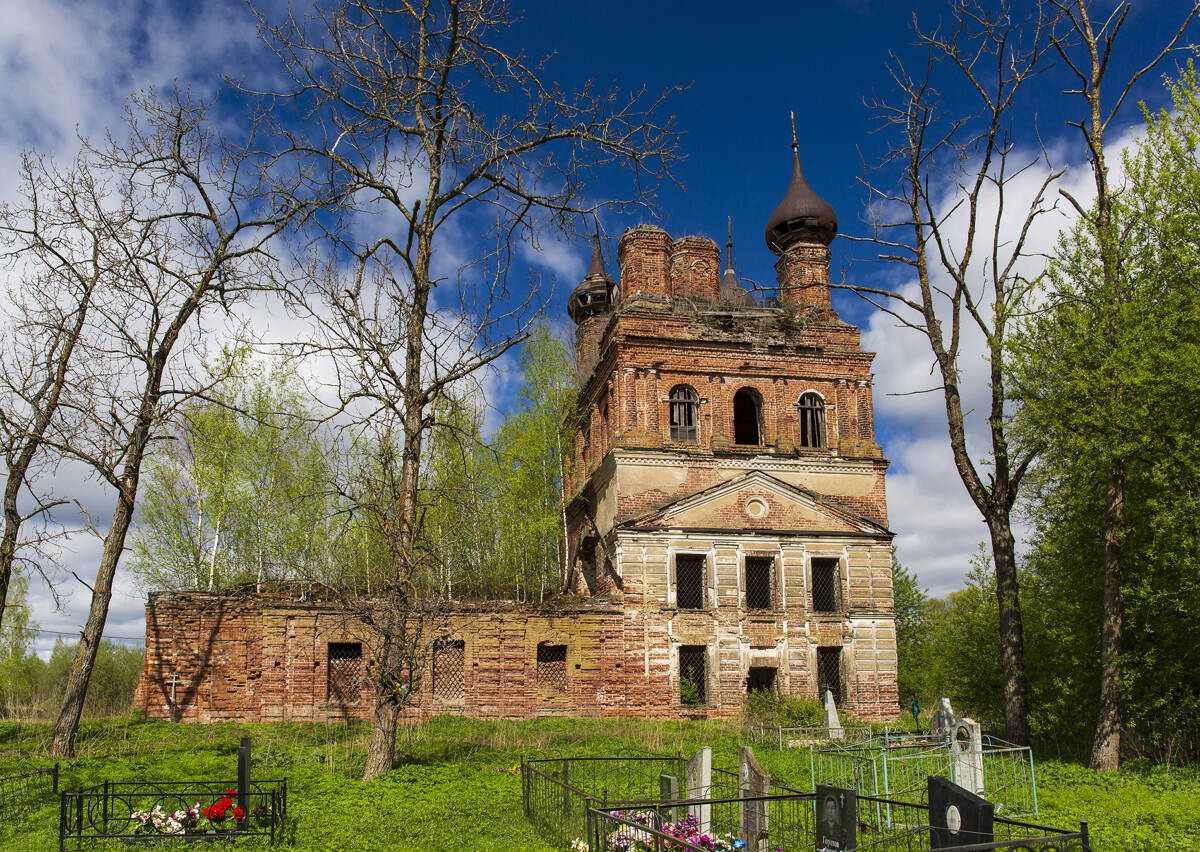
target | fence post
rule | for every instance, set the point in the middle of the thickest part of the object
(55, 779)
(62, 819)
(1083, 829)
(105, 809)
(243, 782)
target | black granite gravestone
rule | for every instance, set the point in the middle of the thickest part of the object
(837, 819)
(957, 817)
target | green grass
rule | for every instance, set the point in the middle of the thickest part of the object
(457, 789)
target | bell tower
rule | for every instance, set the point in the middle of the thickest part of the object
(727, 488)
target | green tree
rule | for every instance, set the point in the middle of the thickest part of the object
(914, 626)
(1110, 380)
(239, 492)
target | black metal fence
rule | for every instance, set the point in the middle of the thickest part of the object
(791, 827)
(25, 786)
(619, 804)
(148, 810)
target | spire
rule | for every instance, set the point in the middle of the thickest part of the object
(802, 215)
(594, 294)
(731, 288)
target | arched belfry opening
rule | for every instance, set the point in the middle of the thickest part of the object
(747, 417)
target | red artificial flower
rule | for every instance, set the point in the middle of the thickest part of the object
(231, 792)
(225, 802)
(238, 813)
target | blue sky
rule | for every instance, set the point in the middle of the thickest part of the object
(68, 65)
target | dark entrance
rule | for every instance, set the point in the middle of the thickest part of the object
(745, 418)
(761, 678)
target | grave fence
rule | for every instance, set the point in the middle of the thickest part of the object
(791, 828)
(106, 811)
(896, 769)
(557, 793)
(799, 736)
(25, 786)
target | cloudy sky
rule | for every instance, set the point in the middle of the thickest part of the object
(67, 66)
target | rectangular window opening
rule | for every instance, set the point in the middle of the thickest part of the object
(344, 673)
(692, 675)
(825, 585)
(551, 670)
(689, 581)
(758, 582)
(829, 673)
(449, 665)
(761, 679)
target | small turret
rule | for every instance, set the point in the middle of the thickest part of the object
(802, 215)
(595, 293)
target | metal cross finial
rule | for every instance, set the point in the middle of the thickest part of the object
(795, 144)
(729, 246)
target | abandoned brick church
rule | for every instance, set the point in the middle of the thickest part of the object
(727, 524)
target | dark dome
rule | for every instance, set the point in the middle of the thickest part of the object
(801, 214)
(594, 294)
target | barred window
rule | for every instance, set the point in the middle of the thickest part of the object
(758, 582)
(747, 411)
(829, 673)
(692, 674)
(812, 420)
(449, 664)
(344, 673)
(689, 581)
(551, 670)
(825, 585)
(685, 414)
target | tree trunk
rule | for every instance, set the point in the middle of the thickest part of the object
(1012, 642)
(1106, 748)
(381, 753)
(63, 744)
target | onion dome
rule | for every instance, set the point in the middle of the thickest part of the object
(594, 294)
(731, 289)
(802, 215)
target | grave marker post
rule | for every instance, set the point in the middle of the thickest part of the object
(243, 781)
(699, 786)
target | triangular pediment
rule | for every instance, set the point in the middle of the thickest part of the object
(758, 501)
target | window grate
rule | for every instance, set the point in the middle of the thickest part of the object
(825, 585)
(829, 673)
(552, 669)
(344, 673)
(812, 420)
(758, 582)
(449, 670)
(692, 674)
(689, 581)
(685, 414)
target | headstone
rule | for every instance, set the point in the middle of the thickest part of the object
(833, 725)
(966, 756)
(837, 819)
(668, 791)
(753, 816)
(699, 786)
(942, 722)
(957, 817)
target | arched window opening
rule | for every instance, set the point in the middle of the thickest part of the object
(812, 420)
(685, 414)
(746, 418)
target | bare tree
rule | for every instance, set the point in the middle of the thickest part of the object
(956, 215)
(1086, 47)
(438, 138)
(57, 249)
(178, 221)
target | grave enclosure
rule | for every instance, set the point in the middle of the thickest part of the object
(636, 804)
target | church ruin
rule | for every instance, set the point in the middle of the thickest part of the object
(727, 524)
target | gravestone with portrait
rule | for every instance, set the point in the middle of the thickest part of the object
(837, 818)
(957, 817)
